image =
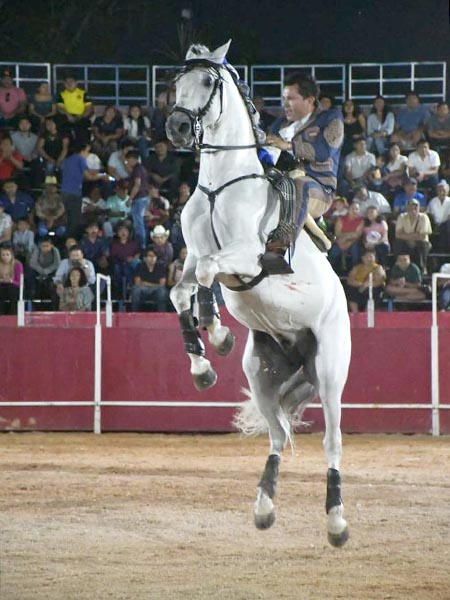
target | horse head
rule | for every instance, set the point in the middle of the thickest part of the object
(199, 94)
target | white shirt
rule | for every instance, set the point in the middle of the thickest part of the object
(359, 164)
(66, 265)
(5, 223)
(445, 269)
(94, 162)
(422, 165)
(288, 132)
(375, 199)
(397, 164)
(131, 127)
(439, 212)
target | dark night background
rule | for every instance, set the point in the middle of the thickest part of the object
(263, 31)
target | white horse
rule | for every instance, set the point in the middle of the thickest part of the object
(299, 335)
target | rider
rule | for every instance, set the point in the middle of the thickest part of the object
(314, 138)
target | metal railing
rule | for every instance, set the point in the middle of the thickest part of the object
(29, 75)
(267, 80)
(394, 80)
(120, 85)
(162, 75)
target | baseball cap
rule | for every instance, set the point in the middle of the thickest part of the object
(411, 180)
(51, 180)
(413, 202)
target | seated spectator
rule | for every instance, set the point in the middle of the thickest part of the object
(41, 106)
(375, 235)
(410, 122)
(354, 126)
(18, 204)
(158, 209)
(75, 109)
(394, 172)
(138, 129)
(176, 234)
(163, 168)
(107, 131)
(117, 163)
(150, 283)
(50, 211)
(44, 262)
(405, 280)
(23, 241)
(175, 270)
(424, 165)
(93, 207)
(26, 144)
(409, 193)
(161, 245)
(95, 248)
(75, 259)
(70, 241)
(438, 127)
(13, 101)
(5, 225)
(439, 211)
(124, 255)
(117, 208)
(76, 294)
(11, 162)
(411, 235)
(265, 118)
(326, 101)
(444, 288)
(338, 208)
(367, 198)
(52, 147)
(159, 116)
(10, 272)
(380, 126)
(358, 165)
(348, 231)
(358, 282)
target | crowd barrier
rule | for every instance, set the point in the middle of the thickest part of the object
(47, 374)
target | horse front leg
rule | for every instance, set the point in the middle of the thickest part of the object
(203, 375)
(219, 336)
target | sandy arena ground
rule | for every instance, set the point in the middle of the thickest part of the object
(159, 517)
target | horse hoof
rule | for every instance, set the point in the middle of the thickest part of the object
(338, 539)
(265, 521)
(205, 380)
(226, 346)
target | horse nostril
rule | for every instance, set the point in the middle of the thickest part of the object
(184, 128)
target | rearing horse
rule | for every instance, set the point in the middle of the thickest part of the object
(299, 334)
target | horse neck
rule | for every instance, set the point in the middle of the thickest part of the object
(234, 129)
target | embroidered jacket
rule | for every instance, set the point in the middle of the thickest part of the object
(317, 146)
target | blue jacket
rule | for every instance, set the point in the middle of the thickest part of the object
(317, 146)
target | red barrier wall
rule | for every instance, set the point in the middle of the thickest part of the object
(143, 360)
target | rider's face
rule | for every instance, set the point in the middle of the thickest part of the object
(296, 107)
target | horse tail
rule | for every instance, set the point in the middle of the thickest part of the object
(248, 418)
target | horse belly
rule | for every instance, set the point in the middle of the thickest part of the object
(280, 304)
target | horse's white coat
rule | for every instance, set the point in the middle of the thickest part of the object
(281, 305)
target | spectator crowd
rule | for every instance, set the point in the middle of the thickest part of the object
(88, 190)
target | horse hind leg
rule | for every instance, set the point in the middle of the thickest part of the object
(220, 336)
(266, 368)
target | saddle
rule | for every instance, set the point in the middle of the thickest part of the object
(293, 211)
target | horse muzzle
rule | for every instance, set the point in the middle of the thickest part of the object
(179, 129)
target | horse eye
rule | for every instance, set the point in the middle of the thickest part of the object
(208, 81)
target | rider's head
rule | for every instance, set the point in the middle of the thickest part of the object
(300, 96)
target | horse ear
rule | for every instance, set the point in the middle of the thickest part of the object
(218, 55)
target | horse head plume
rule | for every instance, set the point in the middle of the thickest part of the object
(200, 52)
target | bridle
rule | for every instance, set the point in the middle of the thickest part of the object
(196, 117)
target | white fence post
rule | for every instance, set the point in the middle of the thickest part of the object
(21, 305)
(98, 348)
(435, 400)
(370, 304)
